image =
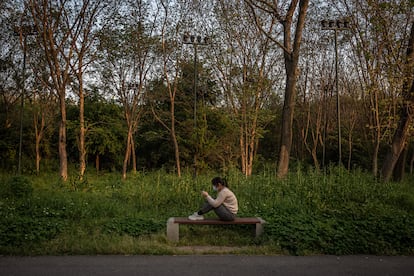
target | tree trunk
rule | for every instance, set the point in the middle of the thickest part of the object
(242, 151)
(375, 158)
(133, 156)
(174, 140)
(39, 130)
(377, 123)
(82, 130)
(127, 154)
(399, 170)
(287, 116)
(398, 144)
(63, 158)
(97, 163)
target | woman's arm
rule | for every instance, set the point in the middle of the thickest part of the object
(218, 201)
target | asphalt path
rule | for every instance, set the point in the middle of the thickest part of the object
(200, 265)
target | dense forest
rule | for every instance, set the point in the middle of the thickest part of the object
(206, 85)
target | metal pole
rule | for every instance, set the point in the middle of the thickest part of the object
(335, 25)
(19, 166)
(195, 107)
(195, 40)
(338, 104)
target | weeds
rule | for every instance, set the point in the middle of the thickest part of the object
(336, 212)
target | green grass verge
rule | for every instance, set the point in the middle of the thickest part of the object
(307, 213)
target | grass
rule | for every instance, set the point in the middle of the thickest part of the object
(307, 213)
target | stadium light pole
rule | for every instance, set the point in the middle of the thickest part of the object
(337, 25)
(195, 40)
(23, 32)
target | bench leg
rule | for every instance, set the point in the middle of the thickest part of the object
(259, 229)
(173, 230)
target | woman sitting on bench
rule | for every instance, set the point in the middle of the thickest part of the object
(225, 205)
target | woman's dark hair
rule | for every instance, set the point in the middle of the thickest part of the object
(217, 180)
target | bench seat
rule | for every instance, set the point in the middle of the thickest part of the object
(173, 231)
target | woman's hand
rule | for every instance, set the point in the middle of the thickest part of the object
(204, 194)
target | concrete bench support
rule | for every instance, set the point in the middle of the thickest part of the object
(173, 224)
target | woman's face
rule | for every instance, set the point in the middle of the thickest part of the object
(218, 187)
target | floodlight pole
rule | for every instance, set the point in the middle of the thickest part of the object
(336, 25)
(22, 31)
(195, 41)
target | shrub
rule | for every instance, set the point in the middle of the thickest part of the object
(18, 187)
(133, 226)
(17, 231)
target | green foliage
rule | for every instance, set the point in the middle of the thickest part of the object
(336, 212)
(341, 213)
(133, 226)
(18, 187)
(25, 231)
(343, 233)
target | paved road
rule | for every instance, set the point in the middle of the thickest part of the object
(200, 265)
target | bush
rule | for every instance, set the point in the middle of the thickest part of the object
(133, 226)
(18, 187)
(17, 231)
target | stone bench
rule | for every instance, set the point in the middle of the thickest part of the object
(173, 223)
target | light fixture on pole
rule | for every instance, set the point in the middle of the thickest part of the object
(195, 41)
(337, 25)
(22, 31)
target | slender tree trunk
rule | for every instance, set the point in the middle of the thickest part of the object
(375, 159)
(97, 165)
(242, 150)
(39, 130)
(82, 130)
(127, 153)
(377, 132)
(63, 157)
(39, 135)
(174, 139)
(350, 148)
(133, 156)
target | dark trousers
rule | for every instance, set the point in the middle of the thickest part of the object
(222, 212)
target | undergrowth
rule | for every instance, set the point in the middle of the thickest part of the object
(335, 212)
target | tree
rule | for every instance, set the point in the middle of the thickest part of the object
(128, 56)
(292, 23)
(406, 113)
(379, 31)
(245, 66)
(57, 25)
(106, 130)
(83, 38)
(169, 61)
(10, 80)
(43, 110)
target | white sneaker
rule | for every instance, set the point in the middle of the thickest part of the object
(195, 216)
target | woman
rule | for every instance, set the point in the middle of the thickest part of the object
(225, 205)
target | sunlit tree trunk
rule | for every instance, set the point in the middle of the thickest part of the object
(127, 155)
(39, 130)
(59, 26)
(82, 129)
(63, 157)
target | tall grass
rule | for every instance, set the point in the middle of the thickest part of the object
(336, 212)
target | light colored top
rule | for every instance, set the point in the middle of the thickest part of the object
(225, 197)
